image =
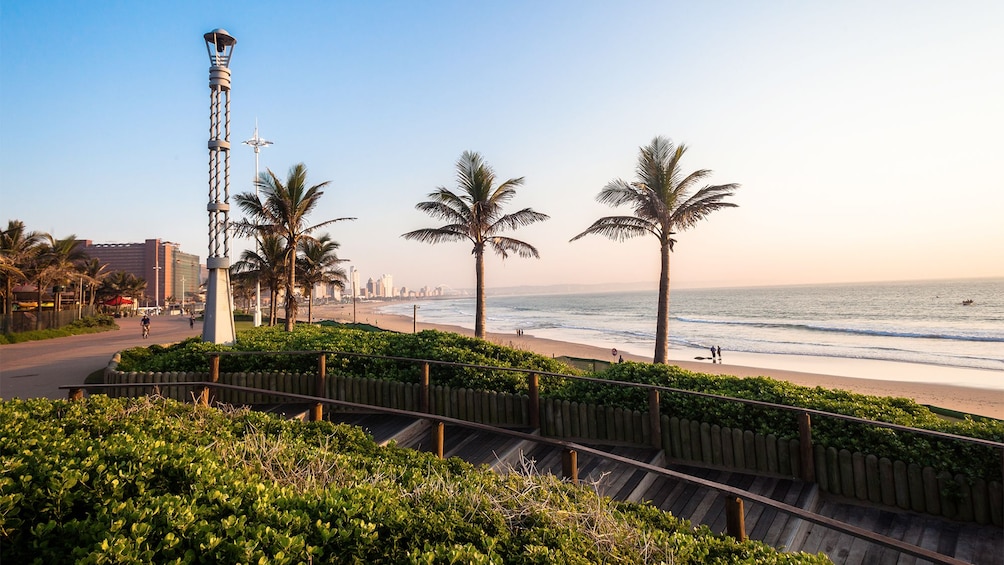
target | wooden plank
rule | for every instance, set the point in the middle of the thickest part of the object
(675, 437)
(686, 446)
(760, 446)
(716, 445)
(738, 453)
(704, 505)
(784, 458)
(860, 477)
(876, 553)
(728, 450)
(771, 447)
(695, 440)
(846, 465)
(915, 485)
(749, 450)
(932, 499)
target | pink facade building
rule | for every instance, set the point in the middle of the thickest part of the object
(168, 271)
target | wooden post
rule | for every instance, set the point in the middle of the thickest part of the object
(76, 394)
(654, 419)
(735, 520)
(317, 411)
(533, 382)
(437, 439)
(424, 407)
(805, 448)
(570, 465)
(214, 377)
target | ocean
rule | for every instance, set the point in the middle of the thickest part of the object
(923, 322)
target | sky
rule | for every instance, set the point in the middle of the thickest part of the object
(866, 136)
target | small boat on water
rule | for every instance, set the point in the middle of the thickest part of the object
(967, 302)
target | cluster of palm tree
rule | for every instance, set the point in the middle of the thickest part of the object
(52, 265)
(664, 200)
(288, 256)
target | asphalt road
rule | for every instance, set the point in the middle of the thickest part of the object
(36, 369)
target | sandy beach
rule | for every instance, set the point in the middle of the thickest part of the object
(969, 399)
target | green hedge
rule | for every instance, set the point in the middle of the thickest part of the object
(191, 355)
(140, 480)
(87, 325)
(973, 461)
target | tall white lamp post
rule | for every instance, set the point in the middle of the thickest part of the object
(257, 143)
(218, 326)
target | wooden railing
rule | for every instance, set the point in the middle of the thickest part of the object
(734, 496)
(865, 477)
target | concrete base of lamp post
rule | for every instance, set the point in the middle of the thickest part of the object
(218, 326)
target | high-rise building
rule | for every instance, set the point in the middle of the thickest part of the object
(387, 283)
(162, 264)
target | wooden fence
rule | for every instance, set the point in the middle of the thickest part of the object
(861, 476)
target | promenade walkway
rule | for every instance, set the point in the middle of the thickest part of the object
(35, 369)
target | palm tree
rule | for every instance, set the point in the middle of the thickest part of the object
(65, 258)
(17, 250)
(121, 284)
(283, 213)
(93, 271)
(265, 265)
(663, 204)
(57, 261)
(318, 264)
(474, 213)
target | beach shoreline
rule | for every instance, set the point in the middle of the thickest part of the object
(798, 370)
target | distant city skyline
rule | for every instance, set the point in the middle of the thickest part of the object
(865, 136)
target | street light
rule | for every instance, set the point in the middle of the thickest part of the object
(218, 326)
(257, 143)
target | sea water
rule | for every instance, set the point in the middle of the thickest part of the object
(915, 322)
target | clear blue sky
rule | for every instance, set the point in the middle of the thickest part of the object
(867, 136)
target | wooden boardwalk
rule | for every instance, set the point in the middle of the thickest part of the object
(970, 543)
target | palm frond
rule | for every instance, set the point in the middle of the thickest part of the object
(524, 217)
(620, 228)
(436, 235)
(506, 245)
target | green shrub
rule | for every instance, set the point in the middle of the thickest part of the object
(970, 460)
(141, 480)
(87, 325)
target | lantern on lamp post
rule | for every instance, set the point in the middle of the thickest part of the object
(219, 314)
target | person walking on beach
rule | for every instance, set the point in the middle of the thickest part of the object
(718, 350)
(712, 353)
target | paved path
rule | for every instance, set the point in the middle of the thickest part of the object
(36, 369)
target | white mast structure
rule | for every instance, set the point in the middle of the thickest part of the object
(257, 143)
(218, 326)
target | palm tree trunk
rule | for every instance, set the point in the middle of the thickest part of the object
(662, 321)
(479, 316)
(290, 296)
(273, 305)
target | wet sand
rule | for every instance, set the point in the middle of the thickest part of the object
(969, 399)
